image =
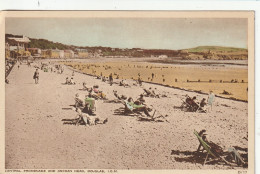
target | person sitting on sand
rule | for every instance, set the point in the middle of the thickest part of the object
(71, 82)
(85, 87)
(226, 93)
(121, 83)
(103, 79)
(67, 80)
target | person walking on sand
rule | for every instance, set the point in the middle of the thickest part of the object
(36, 76)
(111, 79)
(211, 99)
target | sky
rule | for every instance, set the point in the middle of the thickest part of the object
(151, 33)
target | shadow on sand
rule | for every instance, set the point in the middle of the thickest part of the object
(199, 157)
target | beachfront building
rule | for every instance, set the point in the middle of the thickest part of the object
(7, 50)
(62, 54)
(52, 53)
(36, 52)
(81, 53)
(163, 56)
(44, 54)
(68, 54)
(17, 46)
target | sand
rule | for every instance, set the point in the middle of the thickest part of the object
(37, 138)
(170, 72)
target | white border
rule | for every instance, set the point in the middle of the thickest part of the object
(156, 5)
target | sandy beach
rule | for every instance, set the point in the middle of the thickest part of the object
(190, 75)
(35, 136)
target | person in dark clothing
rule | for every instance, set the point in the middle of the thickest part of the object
(111, 79)
(36, 76)
(203, 102)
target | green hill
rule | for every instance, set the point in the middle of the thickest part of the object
(215, 49)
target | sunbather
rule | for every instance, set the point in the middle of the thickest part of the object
(216, 149)
(97, 93)
(141, 99)
(136, 106)
(78, 101)
(85, 87)
(67, 80)
(202, 105)
(122, 97)
(71, 82)
(89, 120)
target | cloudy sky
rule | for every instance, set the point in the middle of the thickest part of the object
(134, 33)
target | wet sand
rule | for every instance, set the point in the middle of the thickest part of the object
(37, 138)
(216, 77)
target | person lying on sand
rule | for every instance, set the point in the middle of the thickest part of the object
(150, 93)
(226, 93)
(123, 83)
(122, 97)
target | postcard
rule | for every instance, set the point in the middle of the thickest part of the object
(127, 92)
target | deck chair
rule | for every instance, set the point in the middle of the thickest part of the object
(201, 109)
(78, 103)
(209, 151)
(188, 107)
(90, 105)
(237, 158)
(130, 109)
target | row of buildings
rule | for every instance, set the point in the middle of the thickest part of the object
(15, 47)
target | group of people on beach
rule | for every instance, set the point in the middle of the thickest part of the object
(192, 105)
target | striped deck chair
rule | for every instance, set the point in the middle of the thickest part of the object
(209, 151)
